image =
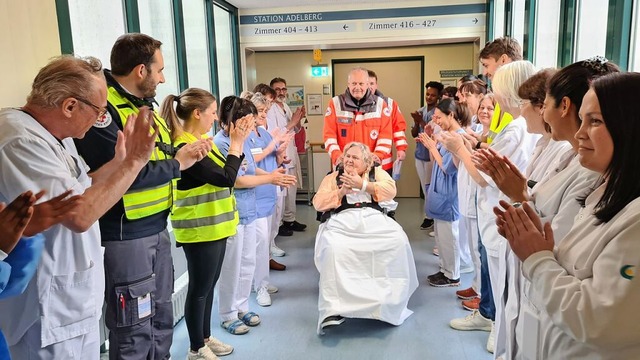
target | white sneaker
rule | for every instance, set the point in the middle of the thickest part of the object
(218, 347)
(276, 251)
(272, 289)
(432, 233)
(204, 353)
(491, 342)
(263, 298)
(474, 321)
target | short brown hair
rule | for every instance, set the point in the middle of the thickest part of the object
(265, 90)
(64, 76)
(131, 50)
(534, 88)
(474, 87)
(372, 74)
(502, 46)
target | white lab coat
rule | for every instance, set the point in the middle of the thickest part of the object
(586, 290)
(67, 292)
(555, 200)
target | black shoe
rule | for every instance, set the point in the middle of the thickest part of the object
(442, 281)
(426, 224)
(294, 225)
(332, 321)
(284, 231)
(435, 276)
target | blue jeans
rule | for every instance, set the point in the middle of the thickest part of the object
(487, 307)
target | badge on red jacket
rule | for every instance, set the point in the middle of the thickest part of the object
(373, 134)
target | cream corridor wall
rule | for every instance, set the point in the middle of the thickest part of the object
(28, 39)
(295, 67)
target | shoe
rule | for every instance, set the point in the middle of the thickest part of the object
(272, 289)
(235, 327)
(491, 342)
(443, 281)
(218, 347)
(435, 250)
(474, 321)
(435, 276)
(274, 265)
(276, 251)
(472, 304)
(432, 233)
(466, 294)
(263, 298)
(204, 353)
(284, 231)
(294, 225)
(332, 321)
(426, 224)
(249, 318)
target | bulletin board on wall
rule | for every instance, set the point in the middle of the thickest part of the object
(295, 96)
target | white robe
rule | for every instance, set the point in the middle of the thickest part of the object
(366, 267)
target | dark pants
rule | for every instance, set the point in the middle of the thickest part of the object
(204, 261)
(138, 289)
(487, 307)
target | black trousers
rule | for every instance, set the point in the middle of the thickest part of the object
(204, 261)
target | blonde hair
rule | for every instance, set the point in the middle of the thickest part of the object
(259, 100)
(507, 81)
(188, 101)
(63, 77)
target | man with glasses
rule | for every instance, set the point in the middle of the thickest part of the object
(137, 257)
(57, 315)
(281, 117)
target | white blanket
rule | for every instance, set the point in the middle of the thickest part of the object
(366, 267)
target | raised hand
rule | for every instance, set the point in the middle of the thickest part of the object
(52, 211)
(281, 178)
(504, 173)
(525, 232)
(453, 142)
(242, 128)
(427, 141)
(14, 219)
(417, 117)
(351, 180)
(192, 153)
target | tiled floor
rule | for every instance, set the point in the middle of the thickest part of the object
(288, 329)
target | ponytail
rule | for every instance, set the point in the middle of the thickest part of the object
(168, 112)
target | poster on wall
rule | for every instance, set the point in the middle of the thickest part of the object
(295, 97)
(314, 104)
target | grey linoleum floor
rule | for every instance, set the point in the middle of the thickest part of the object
(288, 329)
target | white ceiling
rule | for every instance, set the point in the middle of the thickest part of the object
(260, 4)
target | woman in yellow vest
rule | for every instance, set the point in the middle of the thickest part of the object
(204, 213)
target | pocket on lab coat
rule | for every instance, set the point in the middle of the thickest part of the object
(71, 298)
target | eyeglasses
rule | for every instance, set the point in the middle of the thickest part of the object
(284, 89)
(101, 111)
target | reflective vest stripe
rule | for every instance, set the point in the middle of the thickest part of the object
(140, 203)
(206, 221)
(203, 198)
(207, 212)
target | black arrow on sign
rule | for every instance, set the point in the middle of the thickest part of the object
(475, 20)
(345, 26)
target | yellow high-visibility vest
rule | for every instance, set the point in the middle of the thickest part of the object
(207, 212)
(499, 121)
(141, 203)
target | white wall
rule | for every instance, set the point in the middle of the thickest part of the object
(28, 39)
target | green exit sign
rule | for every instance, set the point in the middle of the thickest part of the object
(319, 70)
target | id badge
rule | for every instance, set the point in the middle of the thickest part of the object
(256, 151)
(144, 306)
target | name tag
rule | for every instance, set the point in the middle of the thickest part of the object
(256, 151)
(144, 306)
(344, 120)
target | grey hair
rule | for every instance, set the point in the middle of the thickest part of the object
(259, 100)
(367, 156)
(63, 77)
(358, 68)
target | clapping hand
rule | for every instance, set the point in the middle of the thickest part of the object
(453, 142)
(137, 140)
(522, 227)
(52, 211)
(503, 172)
(281, 178)
(427, 141)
